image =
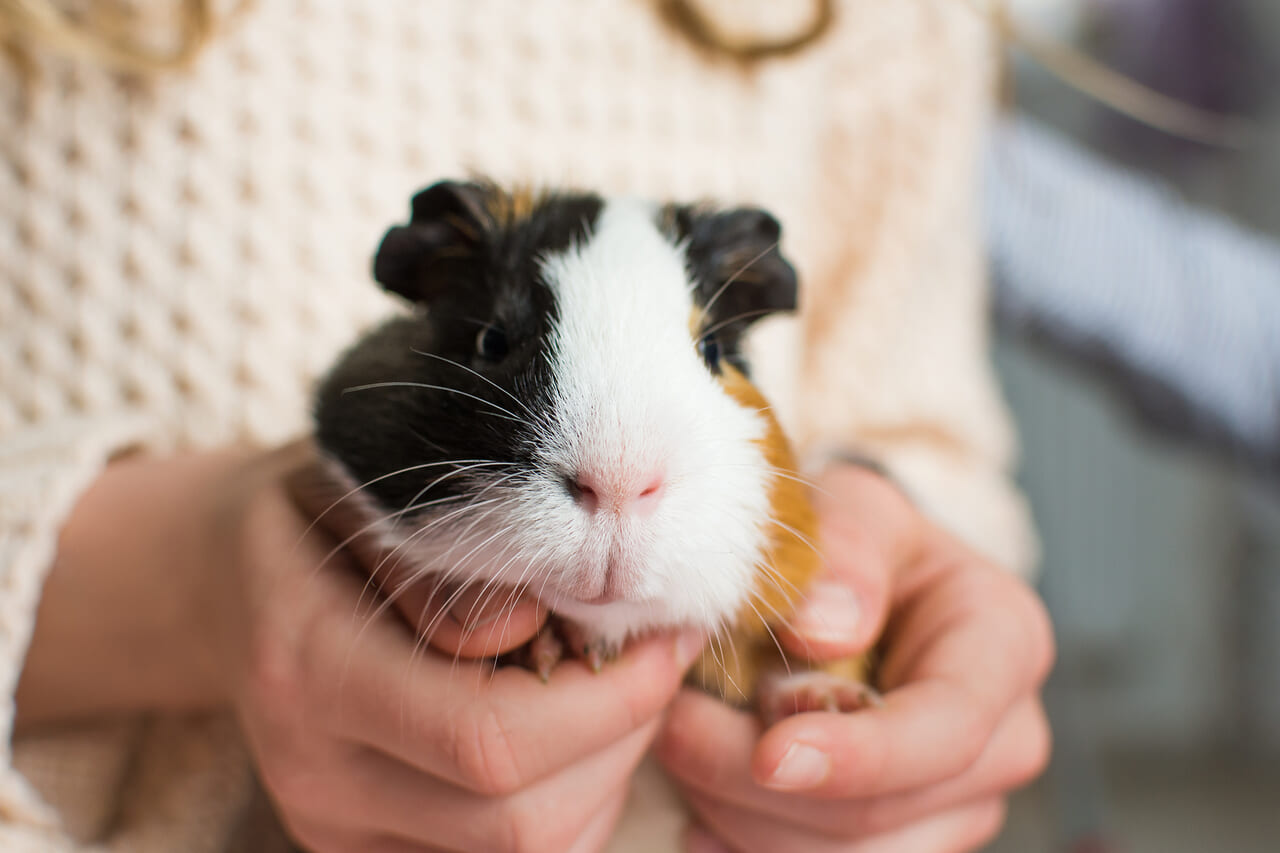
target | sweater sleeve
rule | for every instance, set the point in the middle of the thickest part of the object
(43, 471)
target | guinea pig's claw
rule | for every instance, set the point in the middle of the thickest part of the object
(797, 693)
(594, 652)
(545, 651)
(595, 655)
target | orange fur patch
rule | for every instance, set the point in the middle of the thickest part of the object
(504, 207)
(792, 560)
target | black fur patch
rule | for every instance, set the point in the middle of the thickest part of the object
(415, 392)
(469, 260)
(739, 271)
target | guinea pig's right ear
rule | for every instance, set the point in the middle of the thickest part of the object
(740, 272)
(447, 226)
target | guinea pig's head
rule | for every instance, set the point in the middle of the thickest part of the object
(564, 409)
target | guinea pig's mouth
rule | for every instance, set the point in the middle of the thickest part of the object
(617, 580)
(618, 577)
(616, 583)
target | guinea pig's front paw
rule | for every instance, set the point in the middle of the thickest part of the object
(592, 649)
(560, 639)
(783, 694)
(545, 650)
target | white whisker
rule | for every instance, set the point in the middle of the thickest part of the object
(478, 375)
(510, 415)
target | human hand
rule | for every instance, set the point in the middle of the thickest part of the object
(368, 742)
(196, 581)
(965, 650)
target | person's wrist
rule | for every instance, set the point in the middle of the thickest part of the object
(128, 618)
(212, 590)
(189, 577)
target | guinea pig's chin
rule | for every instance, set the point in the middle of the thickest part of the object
(616, 621)
(623, 610)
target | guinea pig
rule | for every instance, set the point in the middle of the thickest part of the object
(567, 410)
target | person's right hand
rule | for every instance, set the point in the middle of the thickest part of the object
(366, 740)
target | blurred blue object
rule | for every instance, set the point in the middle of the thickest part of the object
(1176, 308)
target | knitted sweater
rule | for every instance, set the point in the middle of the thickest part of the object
(180, 258)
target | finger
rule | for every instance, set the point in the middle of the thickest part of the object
(743, 831)
(575, 809)
(378, 793)
(399, 845)
(708, 745)
(321, 837)
(600, 828)
(493, 731)
(480, 622)
(390, 844)
(698, 839)
(959, 655)
(365, 843)
(1018, 753)
(864, 520)
(470, 623)
(957, 831)
(718, 766)
(368, 680)
(839, 615)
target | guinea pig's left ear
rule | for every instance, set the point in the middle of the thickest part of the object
(448, 223)
(738, 267)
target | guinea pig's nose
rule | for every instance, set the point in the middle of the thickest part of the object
(635, 496)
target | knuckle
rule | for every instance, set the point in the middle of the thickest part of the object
(484, 755)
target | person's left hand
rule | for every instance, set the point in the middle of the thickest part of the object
(964, 652)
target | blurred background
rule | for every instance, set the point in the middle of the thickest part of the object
(1161, 554)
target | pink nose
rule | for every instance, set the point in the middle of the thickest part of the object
(595, 493)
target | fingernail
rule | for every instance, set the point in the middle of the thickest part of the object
(689, 645)
(698, 840)
(830, 614)
(802, 767)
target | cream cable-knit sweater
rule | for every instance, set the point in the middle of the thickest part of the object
(179, 259)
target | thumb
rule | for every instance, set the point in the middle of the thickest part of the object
(835, 619)
(470, 622)
(843, 612)
(474, 621)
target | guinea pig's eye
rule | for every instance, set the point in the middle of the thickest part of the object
(491, 343)
(709, 349)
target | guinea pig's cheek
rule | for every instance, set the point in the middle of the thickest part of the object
(715, 537)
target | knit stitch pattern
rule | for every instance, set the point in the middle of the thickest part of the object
(181, 257)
